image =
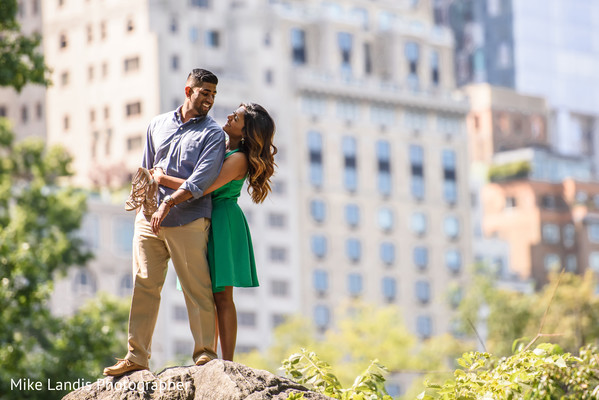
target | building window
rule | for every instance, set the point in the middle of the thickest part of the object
(353, 249)
(385, 219)
(352, 215)
(354, 284)
(314, 105)
(387, 253)
(435, 68)
(350, 174)
(3, 111)
(194, 34)
(90, 73)
(549, 202)
(104, 70)
(35, 7)
(418, 223)
(126, 285)
(63, 42)
(269, 76)
(593, 261)
(455, 296)
(569, 235)
(453, 261)
(134, 143)
(571, 263)
(510, 202)
(24, 114)
(298, 46)
(84, 283)
(201, 3)
(64, 78)
(423, 291)
(553, 262)
(383, 155)
(130, 25)
(344, 41)
(449, 176)
(122, 233)
(133, 109)
(277, 220)
(213, 39)
(103, 30)
(39, 112)
(277, 319)
(389, 287)
(90, 34)
(348, 110)
(318, 210)
(66, 123)
(277, 254)
(381, 114)
(550, 233)
(174, 24)
(319, 245)
(174, 62)
(412, 53)
(386, 20)
(593, 229)
(424, 326)
(315, 157)
(131, 64)
(417, 171)
(180, 313)
(247, 319)
(321, 281)
(322, 316)
(367, 59)
(279, 288)
(420, 257)
(451, 227)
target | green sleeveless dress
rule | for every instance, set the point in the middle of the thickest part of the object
(230, 251)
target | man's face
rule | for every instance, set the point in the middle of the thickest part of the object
(201, 97)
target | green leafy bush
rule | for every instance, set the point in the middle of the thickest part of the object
(307, 369)
(543, 373)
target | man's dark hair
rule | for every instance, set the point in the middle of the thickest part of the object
(199, 75)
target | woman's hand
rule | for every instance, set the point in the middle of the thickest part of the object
(158, 174)
(158, 216)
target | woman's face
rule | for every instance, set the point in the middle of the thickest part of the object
(235, 123)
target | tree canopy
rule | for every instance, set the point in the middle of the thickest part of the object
(21, 61)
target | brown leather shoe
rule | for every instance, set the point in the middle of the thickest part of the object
(122, 367)
(203, 359)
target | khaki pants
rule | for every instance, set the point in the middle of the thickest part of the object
(186, 246)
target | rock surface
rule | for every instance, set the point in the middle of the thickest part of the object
(217, 380)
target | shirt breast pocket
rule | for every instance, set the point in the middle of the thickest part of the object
(190, 151)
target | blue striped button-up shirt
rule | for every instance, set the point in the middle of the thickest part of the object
(193, 151)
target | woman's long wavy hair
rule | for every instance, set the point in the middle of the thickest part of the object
(259, 130)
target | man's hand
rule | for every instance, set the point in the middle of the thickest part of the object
(158, 216)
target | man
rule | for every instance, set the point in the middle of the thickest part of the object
(188, 144)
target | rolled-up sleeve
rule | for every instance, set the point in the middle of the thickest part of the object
(208, 166)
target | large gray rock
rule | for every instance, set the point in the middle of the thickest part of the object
(217, 380)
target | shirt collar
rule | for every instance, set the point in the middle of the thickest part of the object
(179, 116)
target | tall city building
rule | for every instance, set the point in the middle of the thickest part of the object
(370, 199)
(539, 48)
(26, 110)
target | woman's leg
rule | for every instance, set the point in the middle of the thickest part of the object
(227, 322)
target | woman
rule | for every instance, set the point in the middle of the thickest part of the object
(250, 154)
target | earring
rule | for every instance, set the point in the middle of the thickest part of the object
(242, 141)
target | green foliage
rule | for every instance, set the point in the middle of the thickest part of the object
(543, 373)
(571, 316)
(513, 170)
(39, 220)
(363, 333)
(21, 62)
(307, 369)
